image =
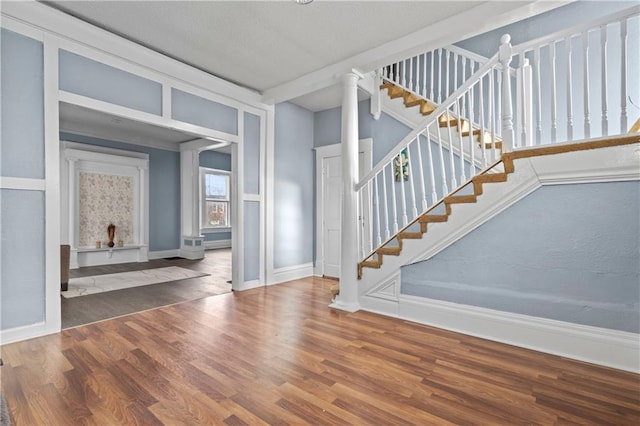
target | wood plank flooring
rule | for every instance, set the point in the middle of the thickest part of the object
(279, 355)
(95, 307)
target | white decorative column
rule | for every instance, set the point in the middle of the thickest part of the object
(192, 243)
(348, 298)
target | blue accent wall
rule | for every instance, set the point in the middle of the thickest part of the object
(294, 186)
(203, 112)
(164, 190)
(96, 80)
(565, 252)
(251, 154)
(22, 269)
(22, 119)
(251, 240)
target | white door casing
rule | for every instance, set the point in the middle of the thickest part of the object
(328, 204)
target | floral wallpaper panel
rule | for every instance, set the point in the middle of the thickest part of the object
(105, 199)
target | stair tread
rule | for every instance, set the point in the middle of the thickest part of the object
(433, 218)
(393, 251)
(410, 235)
(456, 199)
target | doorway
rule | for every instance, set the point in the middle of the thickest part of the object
(328, 204)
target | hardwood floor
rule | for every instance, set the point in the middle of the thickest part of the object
(95, 307)
(279, 355)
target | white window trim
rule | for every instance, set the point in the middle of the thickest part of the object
(219, 229)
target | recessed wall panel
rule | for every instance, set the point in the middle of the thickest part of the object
(203, 112)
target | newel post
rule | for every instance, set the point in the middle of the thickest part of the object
(347, 299)
(507, 103)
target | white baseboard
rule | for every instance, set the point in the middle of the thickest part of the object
(208, 245)
(611, 348)
(248, 285)
(162, 254)
(289, 273)
(18, 334)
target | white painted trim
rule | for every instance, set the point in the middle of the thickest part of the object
(83, 148)
(145, 117)
(323, 152)
(612, 348)
(38, 329)
(164, 145)
(53, 315)
(251, 197)
(248, 285)
(294, 272)
(163, 254)
(268, 190)
(237, 216)
(25, 184)
(218, 244)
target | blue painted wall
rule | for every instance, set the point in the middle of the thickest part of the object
(294, 187)
(566, 252)
(164, 190)
(22, 129)
(251, 154)
(96, 80)
(203, 112)
(219, 161)
(22, 227)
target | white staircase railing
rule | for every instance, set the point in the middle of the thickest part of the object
(419, 172)
(436, 74)
(522, 88)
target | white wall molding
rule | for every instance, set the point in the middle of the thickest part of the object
(218, 244)
(612, 348)
(38, 329)
(289, 273)
(26, 184)
(163, 254)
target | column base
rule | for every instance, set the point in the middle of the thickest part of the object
(348, 307)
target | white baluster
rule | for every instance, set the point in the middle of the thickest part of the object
(411, 73)
(443, 169)
(447, 89)
(460, 139)
(394, 200)
(369, 226)
(412, 188)
(585, 79)
(440, 69)
(422, 186)
(377, 203)
(554, 108)
(623, 76)
(507, 106)
(498, 103)
(432, 176)
(403, 197)
(538, 98)
(492, 113)
(433, 60)
(417, 90)
(424, 75)
(359, 228)
(603, 46)
(527, 104)
(455, 72)
(567, 43)
(387, 234)
(403, 74)
(454, 183)
(464, 78)
(471, 141)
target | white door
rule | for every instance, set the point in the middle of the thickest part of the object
(332, 211)
(331, 205)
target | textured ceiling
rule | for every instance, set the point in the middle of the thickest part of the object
(261, 44)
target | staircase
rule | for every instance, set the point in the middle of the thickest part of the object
(473, 126)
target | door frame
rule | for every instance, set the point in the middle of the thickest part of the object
(365, 147)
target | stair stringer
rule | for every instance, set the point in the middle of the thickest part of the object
(464, 218)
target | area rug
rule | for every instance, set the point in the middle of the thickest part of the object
(5, 420)
(109, 282)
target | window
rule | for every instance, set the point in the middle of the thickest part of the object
(215, 189)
